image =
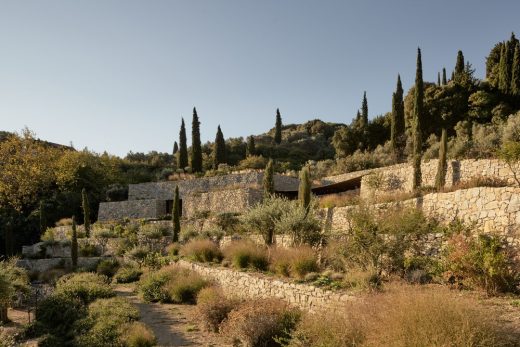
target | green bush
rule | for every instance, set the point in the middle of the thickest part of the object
(243, 254)
(184, 287)
(136, 334)
(213, 307)
(262, 218)
(151, 286)
(127, 274)
(108, 267)
(85, 286)
(258, 323)
(58, 313)
(300, 223)
(201, 251)
(89, 250)
(138, 254)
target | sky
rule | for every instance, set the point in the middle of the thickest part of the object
(118, 75)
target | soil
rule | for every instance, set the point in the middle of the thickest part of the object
(173, 325)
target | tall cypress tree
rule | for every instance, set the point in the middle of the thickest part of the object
(74, 244)
(440, 178)
(219, 153)
(418, 112)
(459, 65)
(397, 126)
(196, 147)
(251, 146)
(444, 80)
(364, 112)
(515, 74)
(176, 215)
(503, 70)
(304, 189)
(86, 211)
(439, 79)
(175, 148)
(182, 159)
(268, 181)
(278, 128)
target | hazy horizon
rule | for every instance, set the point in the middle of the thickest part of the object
(119, 75)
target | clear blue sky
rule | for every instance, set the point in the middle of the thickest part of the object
(118, 75)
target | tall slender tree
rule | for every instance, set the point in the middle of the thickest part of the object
(278, 128)
(86, 211)
(219, 152)
(251, 146)
(418, 114)
(459, 65)
(397, 126)
(182, 159)
(175, 148)
(74, 244)
(515, 74)
(43, 218)
(440, 178)
(196, 147)
(503, 70)
(304, 190)
(444, 79)
(439, 79)
(176, 215)
(268, 180)
(364, 112)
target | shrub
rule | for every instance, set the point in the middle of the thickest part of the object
(127, 274)
(138, 254)
(244, 254)
(57, 313)
(228, 221)
(151, 286)
(482, 262)
(262, 218)
(300, 223)
(85, 286)
(295, 262)
(89, 250)
(202, 251)
(173, 249)
(213, 307)
(184, 287)
(259, 323)
(64, 222)
(137, 334)
(108, 267)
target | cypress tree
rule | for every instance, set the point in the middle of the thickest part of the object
(418, 112)
(278, 128)
(397, 126)
(438, 79)
(459, 65)
(43, 218)
(503, 70)
(444, 80)
(86, 211)
(219, 155)
(176, 215)
(251, 146)
(304, 190)
(269, 178)
(515, 75)
(182, 159)
(74, 244)
(364, 112)
(175, 148)
(196, 147)
(440, 178)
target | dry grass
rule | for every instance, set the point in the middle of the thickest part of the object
(480, 181)
(137, 334)
(213, 307)
(201, 251)
(339, 200)
(294, 262)
(244, 253)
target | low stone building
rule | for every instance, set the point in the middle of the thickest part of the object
(226, 193)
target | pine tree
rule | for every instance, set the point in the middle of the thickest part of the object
(182, 161)
(304, 190)
(196, 147)
(43, 218)
(440, 178)
(459, 65)
(86, 211)
(219, 154)
(176, 215)
(418, 112)
(175, 148)
(444, 80)
(503, 70)
(397, 126)
(269, 178)
(74, 244)
(515, 74)
(278, 128)
(251, 147)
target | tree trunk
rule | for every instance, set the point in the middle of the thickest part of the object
(3, 314)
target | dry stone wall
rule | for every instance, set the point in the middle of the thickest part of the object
(134, 209)
(220, 201)
(254, 286)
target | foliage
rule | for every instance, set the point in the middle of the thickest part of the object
(138, 254)
(246, 254)
(13, 281)
(304, 190)
(86, 211)
(57, 314)
(418, 119)
(74, 245)
(213, 307)
(268, 180)
(296, 262)
(196, 150)
(201, 251)
(176, 215)
(127, 274)
(219, 152)
(278, 128)
(258, 323)
(108, 267)
(253, 162)
(182, 158)
(262, 218)
(85, 286)
(300, 223)
(137, 334)
(184, 287)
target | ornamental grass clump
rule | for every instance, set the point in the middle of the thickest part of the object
(214, 307)
(246, 254)
(295, 262)
(204, 251)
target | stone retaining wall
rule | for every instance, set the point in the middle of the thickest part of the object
(221, 201)
(255, 286)
(134, 209)
(42, 265)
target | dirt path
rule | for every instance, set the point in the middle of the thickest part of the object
(173, 325)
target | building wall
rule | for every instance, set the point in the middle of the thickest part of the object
(135, 209)
(219, 201)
